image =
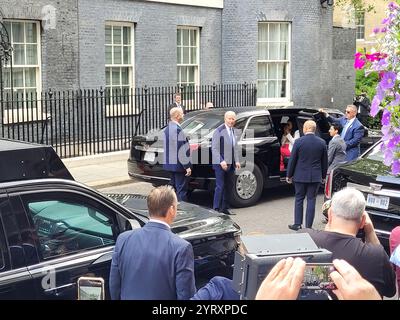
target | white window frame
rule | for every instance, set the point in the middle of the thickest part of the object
(360, 28)
(121, 109)
(277, 100)
(196, 65)
(26, 112)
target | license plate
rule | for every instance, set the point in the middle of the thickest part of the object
(380, 202)
(149, 156)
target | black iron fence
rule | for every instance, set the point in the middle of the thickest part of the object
(86, 122)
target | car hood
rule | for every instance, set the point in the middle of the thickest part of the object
(367, 174)
(191, 222)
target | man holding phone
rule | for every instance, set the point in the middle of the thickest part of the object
(345, 217)
(153, 263)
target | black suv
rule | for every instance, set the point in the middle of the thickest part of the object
(380, 188)
(54, 231)
(265, 172)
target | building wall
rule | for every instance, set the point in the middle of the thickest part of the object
(343, 70)
(155, 40)
(344, 17)
(59, 38)
(311, 45)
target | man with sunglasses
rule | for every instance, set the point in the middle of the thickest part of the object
(352, 133)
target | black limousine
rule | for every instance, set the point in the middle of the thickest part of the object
(54, 231)
(262, 147)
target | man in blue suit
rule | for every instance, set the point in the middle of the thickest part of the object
(352, 132)
(152, 263)
(225, 158)
(177, 154)
(307, 169)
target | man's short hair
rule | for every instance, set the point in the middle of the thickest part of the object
(174, 112)
(160, 200)
(229, 113)
(177, 94)
(309, 126)
(338, 127)
(348, 204)
(352, 106)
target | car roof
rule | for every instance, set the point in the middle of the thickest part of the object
(254, 110)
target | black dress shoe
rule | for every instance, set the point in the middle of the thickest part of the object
(294, 227)
(227, 211)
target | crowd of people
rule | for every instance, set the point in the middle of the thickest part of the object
(154, 263)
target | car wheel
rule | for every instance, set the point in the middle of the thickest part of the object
(247, 187)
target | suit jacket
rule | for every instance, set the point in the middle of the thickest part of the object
(336, 152)
(173, 105)
(309, 160)
(152, 263)
(222, 147)
(353, 136)
(176, 149)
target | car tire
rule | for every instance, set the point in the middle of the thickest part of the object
(247, 187)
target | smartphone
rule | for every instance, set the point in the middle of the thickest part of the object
(317, 277)
(90, 288)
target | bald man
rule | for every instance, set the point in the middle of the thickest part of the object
(307, 169)
(177, 154)
(225, 159)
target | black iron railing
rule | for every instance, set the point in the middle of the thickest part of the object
(86, 122)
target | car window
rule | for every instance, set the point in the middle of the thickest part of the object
(258, 127)
(66, 226)
(375, 154)
(201, 125)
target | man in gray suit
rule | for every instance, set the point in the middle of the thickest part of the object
(336, 148)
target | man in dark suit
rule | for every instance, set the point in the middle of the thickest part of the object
(177, 103)
(177, 154)
(336, 148)
(225, 158)
(352, 133)
(153, 263)
(364, 106)
(307, 169)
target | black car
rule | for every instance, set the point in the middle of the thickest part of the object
(263, 171)
(54, 231)
(380, 188)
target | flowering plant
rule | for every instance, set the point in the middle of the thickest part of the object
(387, 98)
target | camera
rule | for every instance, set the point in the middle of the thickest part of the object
(317, 277)
(90, 288)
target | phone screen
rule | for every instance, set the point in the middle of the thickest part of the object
(317, 276)
(90, 288)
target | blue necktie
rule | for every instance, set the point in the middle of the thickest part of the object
(345, 129)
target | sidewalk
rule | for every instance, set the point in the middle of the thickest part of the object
(100, 171)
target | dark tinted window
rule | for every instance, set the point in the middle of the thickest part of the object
(67, 224)
(259, 127)
(375, 154)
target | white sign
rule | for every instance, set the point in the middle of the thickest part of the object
(149, 156)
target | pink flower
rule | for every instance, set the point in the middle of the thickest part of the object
(376, 30)
(358, 61)
(386, 117)
(396, 167)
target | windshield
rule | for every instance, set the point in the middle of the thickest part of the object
(202, 124)
(375, 153)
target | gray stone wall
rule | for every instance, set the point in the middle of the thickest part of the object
(311, 45)
(59, 38)
(155, 40)
(344, 47)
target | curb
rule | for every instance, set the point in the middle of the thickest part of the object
(96, 159)
(100, 184)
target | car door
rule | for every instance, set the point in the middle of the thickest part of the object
(15, 279)
(74, 236)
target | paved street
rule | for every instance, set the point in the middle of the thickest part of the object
(270, 216)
